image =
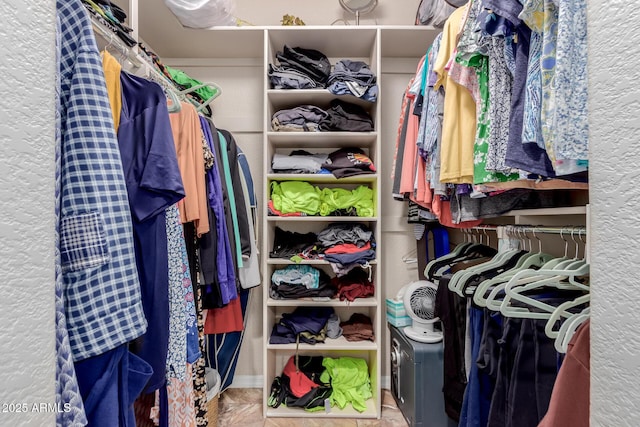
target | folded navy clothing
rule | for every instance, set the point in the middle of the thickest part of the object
(358, 257)
(307, 324)
(307, 319)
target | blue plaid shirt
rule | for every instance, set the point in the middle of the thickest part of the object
(101, 287)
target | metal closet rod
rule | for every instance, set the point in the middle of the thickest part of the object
(114, 40)
(566, 230)
(514, 229)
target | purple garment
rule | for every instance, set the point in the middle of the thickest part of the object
(154, 183)
(494, 24)
(464, 189)
(526, 156)
(224, 258)
(508, 9)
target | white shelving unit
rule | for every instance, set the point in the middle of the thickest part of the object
(337, 43)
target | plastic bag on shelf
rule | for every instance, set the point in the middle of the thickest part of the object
(203, 13)
(434, 12)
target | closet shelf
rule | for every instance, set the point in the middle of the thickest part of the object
(550, 184)
(572, 210)
(330, 344)
(321, 139)
(282, 98)
(347, 412)
(360, 302)
(358, 179)
(284, 261)
(294, 219)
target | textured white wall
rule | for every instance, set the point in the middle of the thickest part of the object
(614, 119)
(27, 341)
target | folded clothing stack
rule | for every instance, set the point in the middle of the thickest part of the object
(341, 163)
(341, 116)
(299, 198)
(299, 68)
(353, 78)
(353, 285)
(289, 283)
(308, 325)
(358, 328)
(347, 246)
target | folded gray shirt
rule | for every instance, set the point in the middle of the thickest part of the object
(311, 163)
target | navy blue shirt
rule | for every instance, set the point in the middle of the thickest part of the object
(154, 183)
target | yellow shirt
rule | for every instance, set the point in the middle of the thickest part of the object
(112, 69)
(459, 121)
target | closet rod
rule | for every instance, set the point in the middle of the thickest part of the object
(113, 40)
(565, 231)
(138, 62)
(483, 227)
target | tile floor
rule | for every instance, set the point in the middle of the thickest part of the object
(243, 407)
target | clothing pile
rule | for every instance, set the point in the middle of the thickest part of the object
(300, 68)
(299, 198)
(347, 246)
(309, 325)
(288, 244)
(341, 116)
(300, 385)
(355, 284)
(341, 163)
(353, 78)
(308, 381)
(301, 281)
(349, 377)
(498, 103)
(156, 188)
(358, 328)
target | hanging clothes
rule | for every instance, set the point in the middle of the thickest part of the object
(569, 406)
(112, 70)
(458, 128)
(96, 236)
(185, 126)
(67, 391)
(154, 183)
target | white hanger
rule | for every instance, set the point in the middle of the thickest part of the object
(457, 251)
(217, 91)
(534, 259)
(557, 314)
(559, 265)
(459, 278)
(562, 341)
(521, 283)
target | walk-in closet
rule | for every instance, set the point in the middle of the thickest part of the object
(338, 213)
